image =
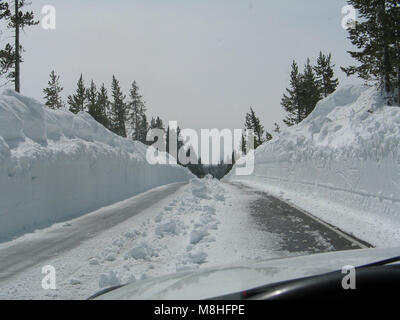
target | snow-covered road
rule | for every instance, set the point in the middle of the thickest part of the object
(34, 249)
(169, 229)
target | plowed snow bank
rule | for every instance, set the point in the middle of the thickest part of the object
(342, 163)
(55, 165)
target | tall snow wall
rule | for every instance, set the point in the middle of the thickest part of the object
(55, 166)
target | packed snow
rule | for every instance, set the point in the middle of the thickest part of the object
(205, 224)
(341, 164)
(55, 166)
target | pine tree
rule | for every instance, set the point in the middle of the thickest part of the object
(143, 129)
(10, 56)
(77, 101)
(394, 21)
(325, 75)
(302, 96)
(253, 122)
(156, 123)
(103, 107)
(153, 123)
(52, 94)
(310, 91)
(7, 62)
(176, 134)
(374, 35)
(291, 102)
(118, 109)
(91, 100)
(277, 128)
(137, 114)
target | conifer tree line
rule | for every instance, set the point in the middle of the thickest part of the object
(299, 100)
(121, 114)
(307, 88)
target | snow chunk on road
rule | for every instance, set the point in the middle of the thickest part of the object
(172, 227)
(197, 235)
(74, 282)
(142, 251)
(109, 279)
(199, 257)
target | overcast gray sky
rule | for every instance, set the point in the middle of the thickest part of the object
(200, 62)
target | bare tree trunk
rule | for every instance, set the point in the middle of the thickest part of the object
(17, 47)
(398, 84)
(398, 69)
(386, 58)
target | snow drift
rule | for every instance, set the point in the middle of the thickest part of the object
(346, 153)
(55, 165)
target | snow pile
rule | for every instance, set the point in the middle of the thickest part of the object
(342, 164)
(55, 165)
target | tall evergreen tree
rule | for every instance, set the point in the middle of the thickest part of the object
(91, 100)
(118, 109)
(310, 91)
(175, 134)
(52, 94)
(10, 56)
(77, 101)
(374, 35)
(325, 75)
(302, 96)
(144, 128)
(291, 102)
(156, 123)
(137, 114)
(253, 122)
(103, 107)
(394, 21)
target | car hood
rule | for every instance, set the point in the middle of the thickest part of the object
(214, 282)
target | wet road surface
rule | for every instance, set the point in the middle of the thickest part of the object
(300, 232)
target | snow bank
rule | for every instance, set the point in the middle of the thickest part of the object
(55, 165)
(342, 163)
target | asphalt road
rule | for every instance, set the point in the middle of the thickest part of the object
(299, 231)
(18, 257)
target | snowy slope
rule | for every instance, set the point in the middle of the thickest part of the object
(55, 165)
(342, 164)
